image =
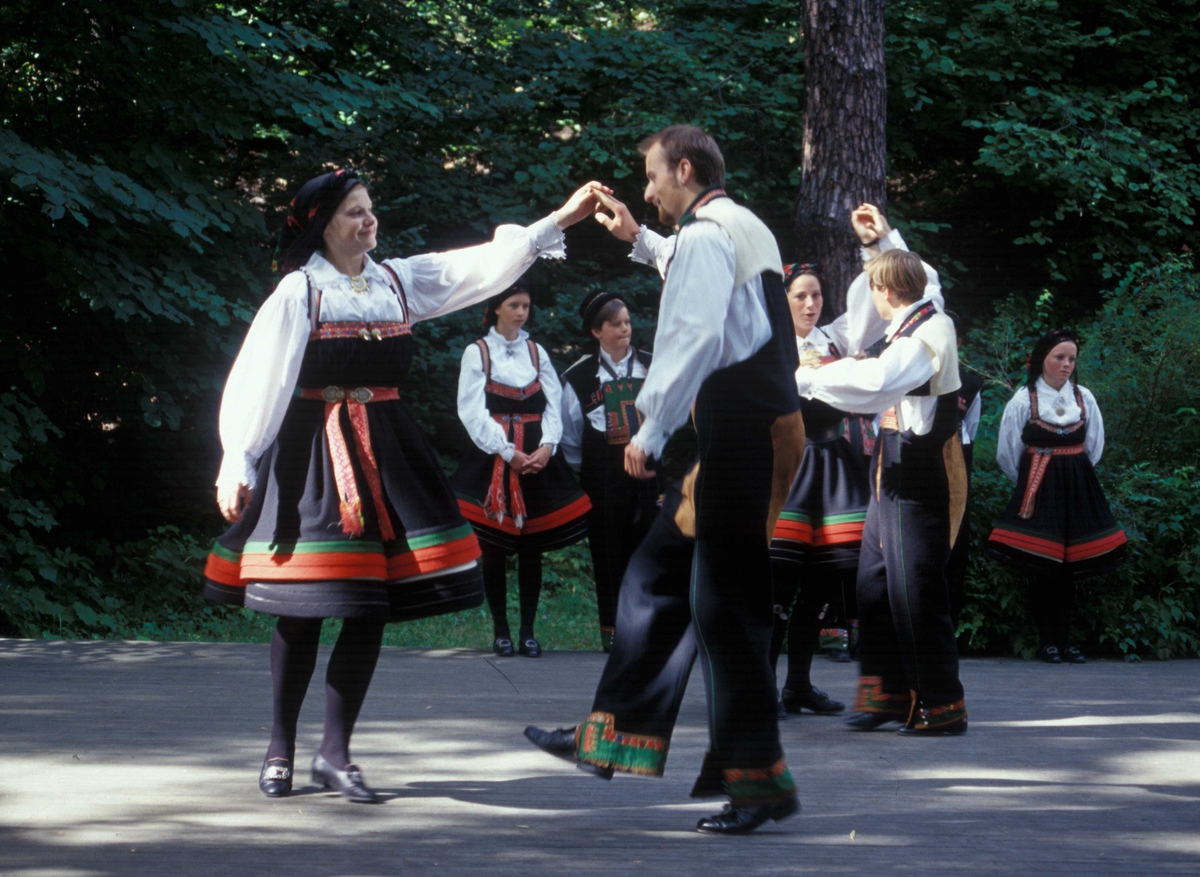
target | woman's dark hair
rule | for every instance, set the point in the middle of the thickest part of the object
(308, 215)
(489, 310)
(597, 308)
(802, 269)
(1037, 359)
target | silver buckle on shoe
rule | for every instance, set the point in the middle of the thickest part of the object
(278, 772)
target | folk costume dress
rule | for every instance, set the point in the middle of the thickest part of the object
(1058, 522)
(724, 341)
(510, 398)
(815, 546)
(599, 419)
(917, 490)
(351, 514)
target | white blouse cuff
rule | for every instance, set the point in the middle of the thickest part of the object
(651, 438)
(641, 251)
(506, 452)
(549, 238)
(238, 469)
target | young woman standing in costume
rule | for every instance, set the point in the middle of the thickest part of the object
(338, 504)
(599, 419)
(1057, 526)
(817, 538)
(517, 492)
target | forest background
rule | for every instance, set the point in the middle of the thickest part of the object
(1044, 156)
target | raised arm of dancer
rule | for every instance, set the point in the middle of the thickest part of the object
(871, 385)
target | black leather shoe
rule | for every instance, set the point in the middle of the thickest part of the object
(503, 647)
(275, 778)
(839, 656)
(871, 721)
(1049, 654)
(348, 783)
(1072, 655)
(743, 820)
(814, 699)
(955, 729)
(530, 648)
(604, 773)
(560, 742)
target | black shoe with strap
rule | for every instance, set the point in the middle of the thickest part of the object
(744, 819)
(1050, 655)
(348, 782)
(530, 648)
(275, 778)
(503, 647)
(1072, 655)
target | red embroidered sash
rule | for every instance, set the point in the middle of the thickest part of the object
(494, 506)
(1037, 472)
(355, 400)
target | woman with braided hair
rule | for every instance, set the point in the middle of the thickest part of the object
(338, 505)
(1057, 527)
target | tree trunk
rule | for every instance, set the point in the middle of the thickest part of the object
(845, 147)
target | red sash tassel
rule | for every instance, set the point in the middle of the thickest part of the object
(494, 505)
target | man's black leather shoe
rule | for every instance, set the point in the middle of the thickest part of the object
(871, 721)
(814, 699)
(560, 742)
(348, 783)
(275, 778)
(743, 820)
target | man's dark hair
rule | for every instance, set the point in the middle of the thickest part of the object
(687, 141)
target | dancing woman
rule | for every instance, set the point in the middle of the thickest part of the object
(338, 506)
(817, 539)
(1057, 527)
(517, 492)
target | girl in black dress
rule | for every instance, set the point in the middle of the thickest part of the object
(1057, 527)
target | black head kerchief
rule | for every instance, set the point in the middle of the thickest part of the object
(489, 309)
(591, 306)
(311, 210)
(1037, 359)
(795, 269)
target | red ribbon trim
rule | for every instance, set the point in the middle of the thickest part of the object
(494, 505)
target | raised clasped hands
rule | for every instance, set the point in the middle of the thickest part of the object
(621, 223)
(869, 224)
(582, 203)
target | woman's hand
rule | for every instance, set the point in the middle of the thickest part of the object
(538, 460)
(232, 502)
(635, 463)
(579, 205)
(621, 223)
(519, 462)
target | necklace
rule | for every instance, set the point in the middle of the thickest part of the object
(358, 284)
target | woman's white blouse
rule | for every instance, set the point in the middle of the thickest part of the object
(1010, 448)
(572, 409)
(511, 365)
(263, 378)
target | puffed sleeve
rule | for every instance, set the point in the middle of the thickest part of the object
(552, 417)
(1009, 447)
(438, 283)
(1093, 444)
(261, 383)
(871, 384)
(970, 423)
(487, 434)
(651, 248)
(572, 427)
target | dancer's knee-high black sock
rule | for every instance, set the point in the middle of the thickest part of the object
(1043, 607)
(351, 667)
(529, 581)
(1066, 602)
(293, 656)
(495, 586)
(804, 631)
(785, 581)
